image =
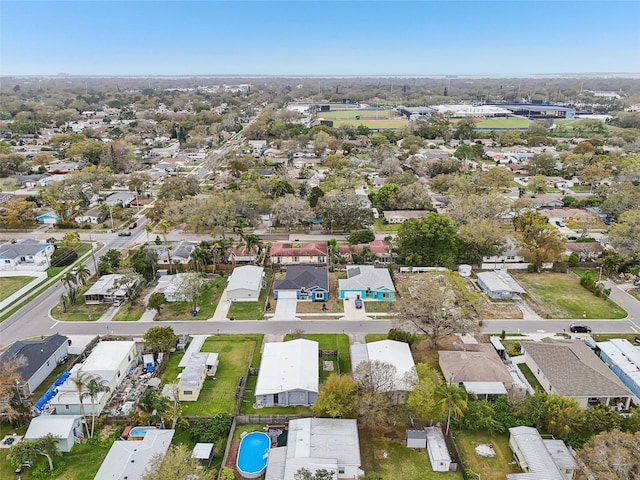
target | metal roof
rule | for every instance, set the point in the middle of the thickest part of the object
(396, 353)
(535, 454)
(249, 277)
(288, 366)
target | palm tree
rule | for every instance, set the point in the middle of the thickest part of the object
(148, 229)
(199, 258)
(454, 399)
(252, 242)
(69, 280)
(81, 380)
(93, 387)
(163, 226)
(220, 248)
(82, 274)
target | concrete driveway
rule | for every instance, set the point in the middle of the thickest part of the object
(286, 309)
(353, 313)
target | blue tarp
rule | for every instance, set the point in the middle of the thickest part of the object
(49, 394)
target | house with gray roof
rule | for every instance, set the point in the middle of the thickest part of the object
(367, 281)
(245, 284)
(540, 459)
(308, 283)
(330, 444)
(181, 253)
(36, 359)
(26, 254)
(120, 198)
(499, 284)
(571, 369)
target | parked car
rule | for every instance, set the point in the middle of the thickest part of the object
(124, 233)
(578, 328)
(133, 225)
(358, 302)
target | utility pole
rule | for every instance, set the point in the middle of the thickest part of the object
(95, 265)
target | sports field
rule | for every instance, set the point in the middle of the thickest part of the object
(375, 119)
(499, 123)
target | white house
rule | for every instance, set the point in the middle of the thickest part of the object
(120, 198)
(288, 373)
(130, 459)
(171, 286)
(394, 217)
(108, 289)
(67, 428)
(437, 449)
(40, 359)
(331, 444)
(110, 363)
(27, 254)
(397, 354)
(245, 284)
(93, 215)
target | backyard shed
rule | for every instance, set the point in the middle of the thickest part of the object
(417, 438)
(437, 450)
(203, 452)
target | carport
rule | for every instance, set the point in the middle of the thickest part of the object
(286, 305)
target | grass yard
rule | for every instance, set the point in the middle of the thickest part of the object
(208, 303)
(499, 123)
(44, 386)
(10, 285)
(380, 225)
(495, 468)
(533, 381)
(383, 453)
(603, 337)
(581, 272)
(80, 312)
(330, 341)
(558, 295)
(379, 124)
(379, 307)
(129, 312)
(218, 396)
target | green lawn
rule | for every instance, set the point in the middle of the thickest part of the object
(10, 285)
(375, 337)
(603, 337)
(383, 454)
(331, 341)
(44, 386)
(498, 123)
(533, 381)
(250, 397)
(581, 272)
(80, 312)
(495, 468)
(581, 189)
(209, 301)
(559, 295)
(379, 307)
(379, 224)
(218, 396)
(129, 312)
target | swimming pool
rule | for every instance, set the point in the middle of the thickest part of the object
(252, 454)
(139, 432)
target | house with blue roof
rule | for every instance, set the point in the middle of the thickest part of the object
(367, 281)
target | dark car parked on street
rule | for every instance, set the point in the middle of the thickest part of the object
(578, 328)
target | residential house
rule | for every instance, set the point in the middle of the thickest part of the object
(509, 259)
(245, 284)
(437, 450)
(479, 369)
(131, 459)
(380, 249)
(48, 218)
(36, 359)
(288, 374)
(498, 284)
(395, 217)
(109, 362)
(586, 251)
(68, 429)
(546, 201)
(397, 354)
(125, 199)
(242, 254)
(169, 255)
(538, 458)
(27, 254)
(192, 378)
(109, 288)
(93, 215)
(171, 286)
(571, 369)
(30, 181)
(295, 253)
(367, 281)
(305, 282)
(623, 358)
(330, 444)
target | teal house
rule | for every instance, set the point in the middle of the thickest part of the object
(367, 281)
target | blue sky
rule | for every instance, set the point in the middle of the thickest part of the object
(318, 37)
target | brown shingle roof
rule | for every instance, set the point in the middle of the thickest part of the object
(573, 370)
(482, 364)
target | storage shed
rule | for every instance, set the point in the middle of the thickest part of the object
(437, 450)
(416, 438)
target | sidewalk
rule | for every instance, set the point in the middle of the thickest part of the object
(222, 309)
